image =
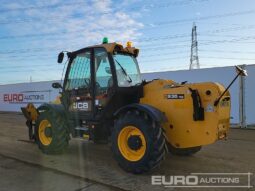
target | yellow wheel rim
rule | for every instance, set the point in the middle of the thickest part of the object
(44, 139)
(125, 135)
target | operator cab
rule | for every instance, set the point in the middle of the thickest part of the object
(101, 79)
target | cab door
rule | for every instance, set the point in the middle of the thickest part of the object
(78, 86)
(104, 80)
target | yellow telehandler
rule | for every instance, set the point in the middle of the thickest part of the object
(104, 98)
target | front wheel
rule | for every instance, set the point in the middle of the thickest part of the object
(138, 142)
(51, 133)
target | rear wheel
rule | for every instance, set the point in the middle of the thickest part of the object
(183, 151)
(51, 133)
(138, 142)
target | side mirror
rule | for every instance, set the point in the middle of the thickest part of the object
(108, 70)
(241, 71)
(56, 85)
(60, 57)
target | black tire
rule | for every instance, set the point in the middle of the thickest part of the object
(183, 151)
(156, 147)
(60, 135)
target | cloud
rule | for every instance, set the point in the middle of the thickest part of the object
(102, 6)
(78, 24)
(42, 29)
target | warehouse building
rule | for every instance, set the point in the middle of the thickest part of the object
(14, 96)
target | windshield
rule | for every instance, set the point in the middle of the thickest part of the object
(127, 70)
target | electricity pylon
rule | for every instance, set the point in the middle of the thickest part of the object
(194, 61)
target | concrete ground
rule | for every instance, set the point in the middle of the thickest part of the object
(17, 175)
(87, 166)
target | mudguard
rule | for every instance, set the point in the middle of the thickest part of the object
(153, 112)
(59, 108)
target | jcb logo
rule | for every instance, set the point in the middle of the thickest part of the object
(83, 106)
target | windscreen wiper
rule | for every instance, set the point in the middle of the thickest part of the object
(124, 72)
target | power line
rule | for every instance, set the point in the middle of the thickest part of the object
(149, 39)
(141, 61)
(185, 54)
(31, 70)
(54, 65)
(228, 58)
(144, 6)
(226, 51)
(206, 57)
(206, 17)
(146, 47)
(40, 7)
(201, 44)
(164, 59)
(30, 66)
(153, 24)
(146, 40)
(160, 54)
(56, 18)
(185, 58)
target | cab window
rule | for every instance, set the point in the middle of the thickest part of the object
(79, 73)
(104, 79)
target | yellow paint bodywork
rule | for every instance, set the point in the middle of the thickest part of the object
(181, 129)
(32, 112)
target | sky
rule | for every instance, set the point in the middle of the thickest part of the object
(32, 33)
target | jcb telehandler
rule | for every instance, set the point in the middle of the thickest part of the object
(104, 98)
